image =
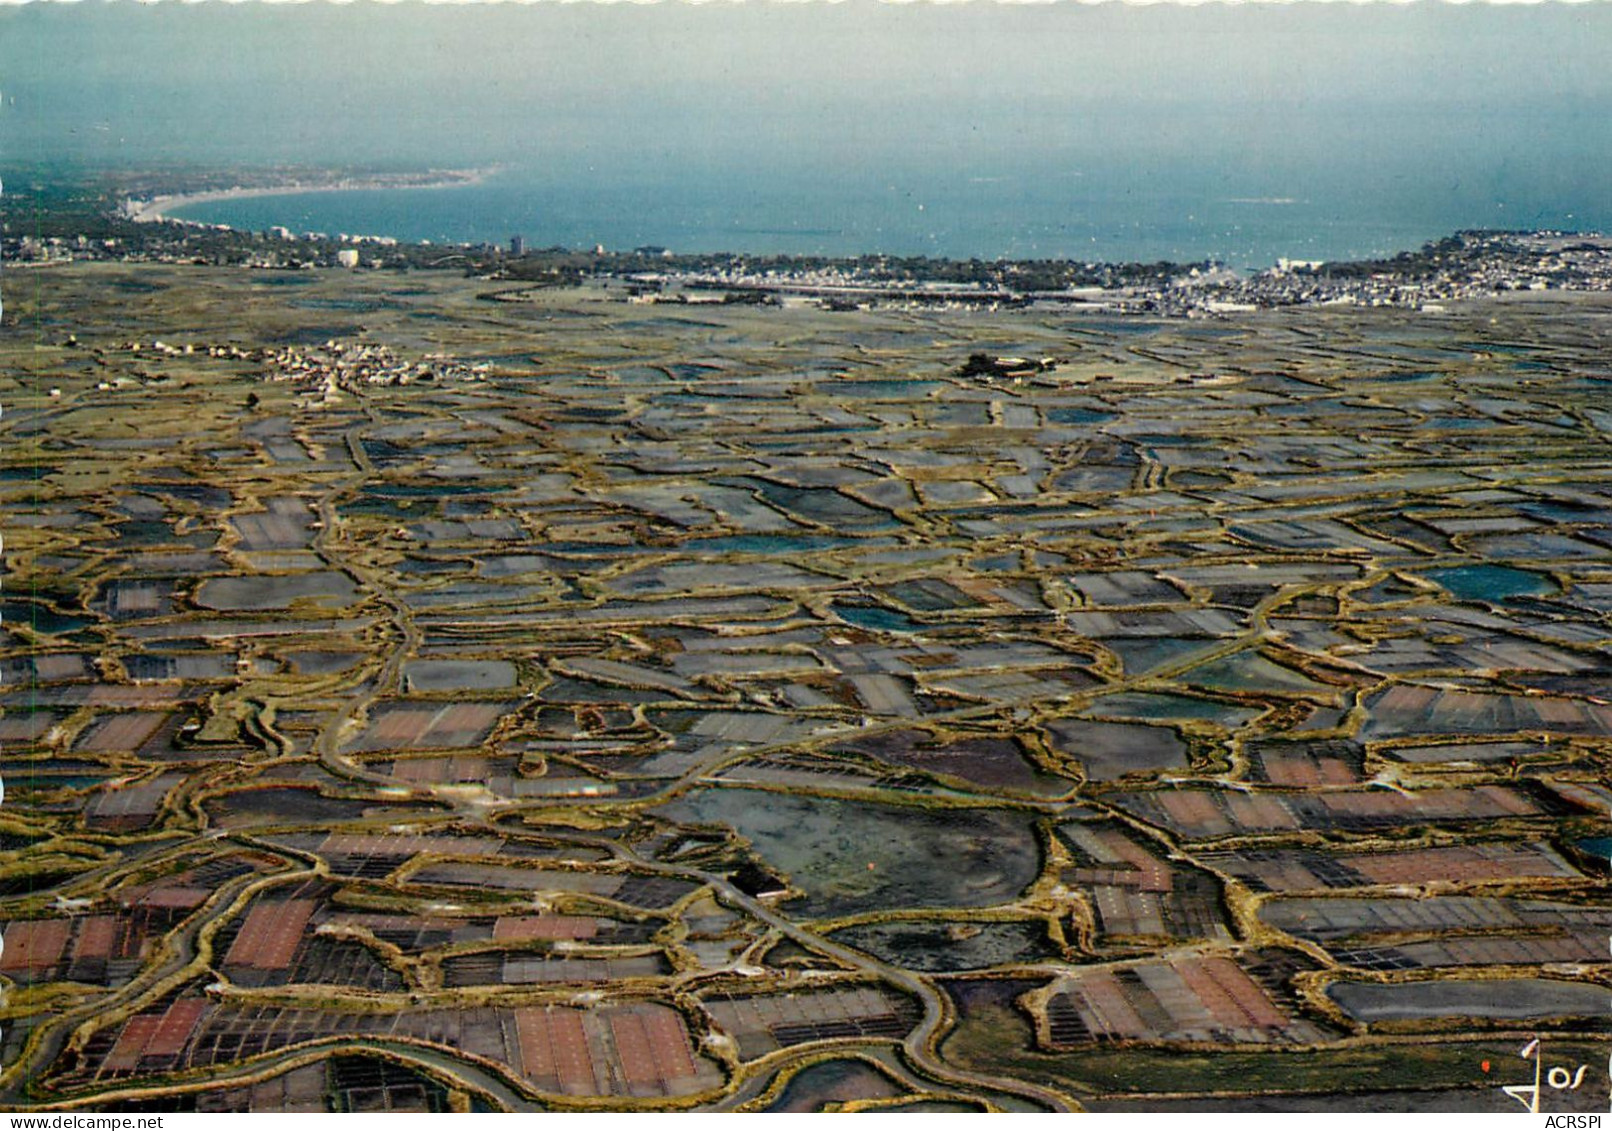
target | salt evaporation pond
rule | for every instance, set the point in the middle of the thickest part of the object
(1513, 1000)
(919, 857)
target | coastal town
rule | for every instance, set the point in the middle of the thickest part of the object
(1461, 266)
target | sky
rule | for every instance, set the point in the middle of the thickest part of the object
(125, 83)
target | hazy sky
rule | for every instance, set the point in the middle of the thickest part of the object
(125, 83)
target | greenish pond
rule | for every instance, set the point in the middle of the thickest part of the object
(877, 618)
(1492, 582)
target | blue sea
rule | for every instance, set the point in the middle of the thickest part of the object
(1037, 214)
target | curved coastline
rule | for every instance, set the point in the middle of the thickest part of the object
(160, 208)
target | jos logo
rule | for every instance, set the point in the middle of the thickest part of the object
(1558, 1078)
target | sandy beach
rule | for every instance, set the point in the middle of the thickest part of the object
(160, 207)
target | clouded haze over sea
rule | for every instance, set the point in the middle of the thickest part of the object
(1242, 132)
